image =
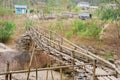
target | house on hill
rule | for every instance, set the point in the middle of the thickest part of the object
(83, 5)
(20, 9)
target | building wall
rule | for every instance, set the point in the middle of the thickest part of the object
(20, 11)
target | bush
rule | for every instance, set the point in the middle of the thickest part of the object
(88, 29)
(6, 30)
(108, 13)
(76, 9)
(78, 27)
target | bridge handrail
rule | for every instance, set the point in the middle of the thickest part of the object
(83, 50)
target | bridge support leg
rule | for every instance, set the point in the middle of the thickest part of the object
(94, 69)
(7, 75)
(31, 59)
(73, 63)
(10, 77)
(61, 77)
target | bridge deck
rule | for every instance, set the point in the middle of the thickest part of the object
(68, 53)
(56, 45)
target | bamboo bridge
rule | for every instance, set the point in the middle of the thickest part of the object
(70, 56)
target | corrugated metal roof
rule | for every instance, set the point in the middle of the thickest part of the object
(20, 6)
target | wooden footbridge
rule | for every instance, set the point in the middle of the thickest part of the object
(70, 55)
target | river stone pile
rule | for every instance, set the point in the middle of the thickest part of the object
(24, 44)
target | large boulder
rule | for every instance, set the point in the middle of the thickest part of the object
(20, 60)
(15, 58)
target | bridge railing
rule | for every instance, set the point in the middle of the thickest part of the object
(9, 74)
(57, 40)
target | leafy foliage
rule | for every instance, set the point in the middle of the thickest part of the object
(6, 30)
(108, 13)
(88, 29)
(77, 28)
(76, 9)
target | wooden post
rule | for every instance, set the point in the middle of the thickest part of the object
(61, 78)
(36, 67)
(10, 77)
(47, 66)
(48, 58)
(50, 38)
(116, 73)
(50, 64)
(31, 59)
(61, 41)
(73, 62)
(7, 70)
(94, 69)
(36, 74)
(47, 75)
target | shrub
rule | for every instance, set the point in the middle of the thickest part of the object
(108, 13)
(78, 26)
(6, 30)
(88, 29)
(76, 9)
(93, 31)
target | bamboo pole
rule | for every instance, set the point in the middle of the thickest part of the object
(47, 75)
(7, 71)
(50, 64)
(73, 62)
(61, 77)
(94, 69)
(47, 70)
(41, 69)
(31, 59)
(10, 77)
(36, 68)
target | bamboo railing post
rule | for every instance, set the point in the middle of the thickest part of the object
(36, 67)
(7, 70)
(60, 43)
(48, 58)
(73, 62)
(50, 37)
(10, 76)
(47, 70)
(50, 64)
(47, 75)
(61, 78)
(31, 59)
(116, 73)
(94, 69)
